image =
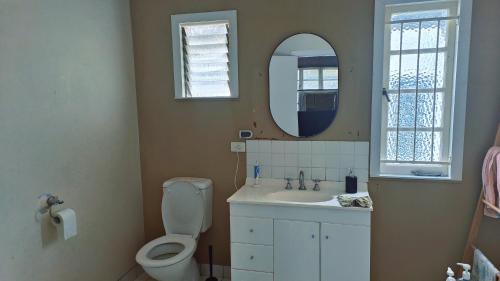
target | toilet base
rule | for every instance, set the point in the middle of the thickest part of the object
(191, 272)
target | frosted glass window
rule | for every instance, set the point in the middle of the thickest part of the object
(419, 40)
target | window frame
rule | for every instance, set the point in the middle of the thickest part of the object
(176, 24)
(459, 88)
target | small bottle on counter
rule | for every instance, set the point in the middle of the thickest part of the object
(351, 183)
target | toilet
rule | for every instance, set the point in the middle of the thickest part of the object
(186, 211)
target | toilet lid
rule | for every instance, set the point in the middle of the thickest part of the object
(182, 209)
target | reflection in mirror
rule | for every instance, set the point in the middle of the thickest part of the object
(303, 85)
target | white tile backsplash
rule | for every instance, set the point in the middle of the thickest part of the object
(305, 147)
(324, 160)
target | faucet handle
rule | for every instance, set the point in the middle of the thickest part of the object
(316, 184)
(288, 183)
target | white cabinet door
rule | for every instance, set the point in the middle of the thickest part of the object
(296, 251)
(345, 252)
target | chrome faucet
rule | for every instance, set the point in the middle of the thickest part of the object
(302, 186)
(316, 185)
(288, 184)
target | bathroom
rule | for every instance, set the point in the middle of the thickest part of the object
(88, 113)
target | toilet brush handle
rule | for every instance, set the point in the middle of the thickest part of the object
(210, 252)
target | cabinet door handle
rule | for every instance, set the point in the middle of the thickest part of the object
(326, 237)
(251, 230)
(251, 257)
(312, 236)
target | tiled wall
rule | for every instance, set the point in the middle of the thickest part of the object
(323, 160)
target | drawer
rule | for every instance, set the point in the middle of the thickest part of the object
(243, 275)
(252, 230)
(252, 257)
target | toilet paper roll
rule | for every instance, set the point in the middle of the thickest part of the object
(65, 221)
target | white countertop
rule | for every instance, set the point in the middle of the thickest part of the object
(260, 194)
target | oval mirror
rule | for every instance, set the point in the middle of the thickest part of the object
(303, 85)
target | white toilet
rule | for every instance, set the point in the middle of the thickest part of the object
(187, 211)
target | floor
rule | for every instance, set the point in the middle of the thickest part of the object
(145, 277)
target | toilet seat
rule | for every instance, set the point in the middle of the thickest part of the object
(187, 241)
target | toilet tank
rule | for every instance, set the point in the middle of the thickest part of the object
(206, 188)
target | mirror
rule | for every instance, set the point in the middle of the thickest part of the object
(303, 85)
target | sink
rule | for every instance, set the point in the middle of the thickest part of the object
(299, 196)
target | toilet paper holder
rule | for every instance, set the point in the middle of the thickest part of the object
(46, 202)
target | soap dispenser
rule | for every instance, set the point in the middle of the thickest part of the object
(450, 275)
(465, 273)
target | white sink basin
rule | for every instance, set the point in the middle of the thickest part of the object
(299, 196)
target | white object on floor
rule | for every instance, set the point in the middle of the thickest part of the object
(186, 210)
(65, 221)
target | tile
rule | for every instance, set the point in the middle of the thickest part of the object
(252, 158)
(332, 147)
(291, 147)
(361, 161)
(307, 172)
(250, 171)
(218, 271)
(291, 160)
(226, 272)
(278, 172)
(252, 146)
(362, 175)
(362, 148)
(346, 161)
(291, 172)
(277, 146)
(265, 158)
(332, 160)
(344, 172)
(346, 147)
(318, 147)
(264, 146)
(305, 147)
(204, 269)
(265, 172)
(305, 160)
(332, 174)
(318, 160)
(318, 174)
(278, 159)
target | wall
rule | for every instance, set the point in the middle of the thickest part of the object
(68, 123)
(419, 227)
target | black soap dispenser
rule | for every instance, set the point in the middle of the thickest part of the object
(351, 183)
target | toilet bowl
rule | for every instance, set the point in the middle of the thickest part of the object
(186, 211)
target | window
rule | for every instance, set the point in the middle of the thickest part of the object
(420, 71)
(318, 78)
(205, 55)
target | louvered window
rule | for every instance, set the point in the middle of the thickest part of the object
(418, 88)
(205, 54)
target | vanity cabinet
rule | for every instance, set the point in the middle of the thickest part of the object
(345, 254)
(281, 243)
(296, 250)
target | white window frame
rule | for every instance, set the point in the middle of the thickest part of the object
(176, 25)
(460, 89)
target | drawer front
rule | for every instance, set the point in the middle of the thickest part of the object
(252, 230)
(252, 257)
(243, 275)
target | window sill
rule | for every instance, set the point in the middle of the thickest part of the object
(414, 178)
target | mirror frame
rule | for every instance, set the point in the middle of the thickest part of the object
(269, 83)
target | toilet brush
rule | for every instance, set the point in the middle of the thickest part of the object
(210, 254)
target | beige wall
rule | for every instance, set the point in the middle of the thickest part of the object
(68, 125)
(419, 227)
